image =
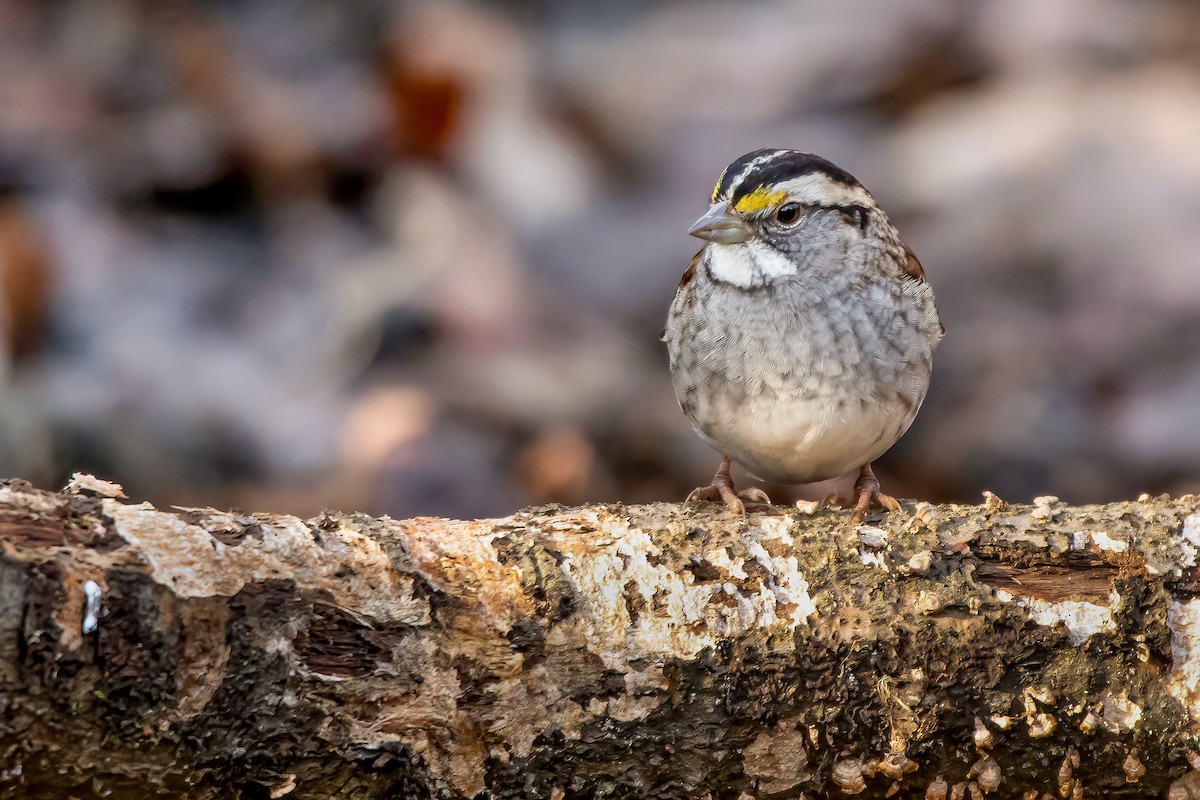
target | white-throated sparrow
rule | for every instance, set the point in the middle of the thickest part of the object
(801, 337)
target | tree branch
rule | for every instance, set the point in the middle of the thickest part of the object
(602, 651)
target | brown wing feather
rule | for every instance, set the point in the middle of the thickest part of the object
(682, 295)
(912, 265)
(690, 272)
(913, 268)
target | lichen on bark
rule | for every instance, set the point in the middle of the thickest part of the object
(601, 651)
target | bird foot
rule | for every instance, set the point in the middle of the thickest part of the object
(866, 496)
(722, 489)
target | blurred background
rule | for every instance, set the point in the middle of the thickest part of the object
(414, 258)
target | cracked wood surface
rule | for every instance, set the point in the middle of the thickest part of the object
(659, 651)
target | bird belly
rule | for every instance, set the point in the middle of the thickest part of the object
(801, 440)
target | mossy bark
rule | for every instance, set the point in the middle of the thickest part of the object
(662, 651)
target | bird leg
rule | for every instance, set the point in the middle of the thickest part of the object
(866, 494)
(722, 489)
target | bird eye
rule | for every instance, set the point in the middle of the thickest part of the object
(788, 213)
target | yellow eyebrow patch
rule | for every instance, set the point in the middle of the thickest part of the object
(759, 199)
(717, 188)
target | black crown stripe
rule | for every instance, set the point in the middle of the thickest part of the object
(789, 164)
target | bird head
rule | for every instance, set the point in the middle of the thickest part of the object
(775, 213)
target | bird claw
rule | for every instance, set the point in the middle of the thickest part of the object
(719, 490)
(733, 500)
(722, 489)
(866, 496)
(755, 495)
(872, 499)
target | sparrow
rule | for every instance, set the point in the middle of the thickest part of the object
(801, 336)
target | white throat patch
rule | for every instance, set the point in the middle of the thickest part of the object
(747, 264)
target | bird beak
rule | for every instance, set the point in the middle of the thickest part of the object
(722, 225)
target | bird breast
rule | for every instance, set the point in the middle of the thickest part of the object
(802, 379)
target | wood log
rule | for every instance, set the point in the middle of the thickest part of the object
(658, 651)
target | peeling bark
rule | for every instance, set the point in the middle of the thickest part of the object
(660, 651)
